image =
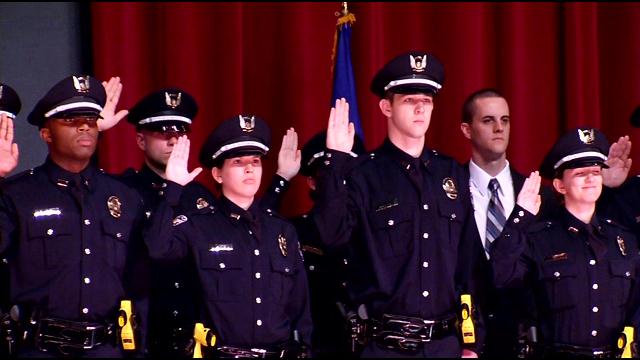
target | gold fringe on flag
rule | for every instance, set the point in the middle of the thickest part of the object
(346, 18)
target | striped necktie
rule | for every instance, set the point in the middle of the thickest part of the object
(495, 215)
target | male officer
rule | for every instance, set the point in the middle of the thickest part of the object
(69, 232)
(404, 209)
(160, 119)
(254, 287)
(582, 267)
(325, 267)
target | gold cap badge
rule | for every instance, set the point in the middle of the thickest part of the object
(81, 83)
(418, 63)
(247, 123)
(586, 136)
(172, 100)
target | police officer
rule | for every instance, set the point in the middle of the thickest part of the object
(9, 107)
(69, 232)
(160, 119)
(403, 209)
(582, 267)
(254, 287)
(325, 267)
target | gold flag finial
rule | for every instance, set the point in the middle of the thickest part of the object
(345, 8)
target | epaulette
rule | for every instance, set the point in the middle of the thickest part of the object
(540, 226)
(613, 223)
(201, 206)
(274, 214)
(19, 176)
(129, 172)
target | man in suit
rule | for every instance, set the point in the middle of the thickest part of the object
(486, 123)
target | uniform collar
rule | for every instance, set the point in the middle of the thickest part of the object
(64, 179)
(151, 177)
(574, 225)
(403, 158)
(234, 212)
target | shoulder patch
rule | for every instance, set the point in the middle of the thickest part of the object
(180, 219)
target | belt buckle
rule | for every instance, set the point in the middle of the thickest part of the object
(402, 342)
(92, 338)
(428, 330)
(260, 353)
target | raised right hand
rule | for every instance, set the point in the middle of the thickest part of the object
(340, 131)
(176, 170)
(8, 149)
(529, 197)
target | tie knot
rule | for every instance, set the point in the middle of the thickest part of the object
(494, 185)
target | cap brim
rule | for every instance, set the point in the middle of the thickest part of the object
(584, 162)
(413, 89)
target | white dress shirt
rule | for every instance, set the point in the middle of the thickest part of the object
(480, 195)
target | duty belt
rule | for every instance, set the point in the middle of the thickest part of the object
(64, 334)
(236, 352)
(580, 352)
(408, 333)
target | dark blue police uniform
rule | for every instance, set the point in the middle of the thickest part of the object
(404, 218)
(584, 276)
(72, 241)
(253, 284)
(326, 268)
(171, 303)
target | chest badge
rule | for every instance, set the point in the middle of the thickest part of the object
(201, 203)
(450, 188)
(282, 244)
(622, 246)
(115, 206)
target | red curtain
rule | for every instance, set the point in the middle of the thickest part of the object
(560, 65)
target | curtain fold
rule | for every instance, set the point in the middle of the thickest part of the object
(560, 65)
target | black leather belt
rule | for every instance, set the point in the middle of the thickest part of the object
(580, 352)
(408, 333)
(236, 352)
(66, 335)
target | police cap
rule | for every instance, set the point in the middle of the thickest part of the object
(169, 109)
(314, 149)
(580, 147)
(409, 73)
(73, 95)
(237, 136)
(9, 101)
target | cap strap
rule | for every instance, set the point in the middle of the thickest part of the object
(76, 105)
(412, 81)
(237, 145)
(11, 115)
(164, 118)
(578, 156)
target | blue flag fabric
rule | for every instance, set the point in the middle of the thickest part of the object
(344, 85)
